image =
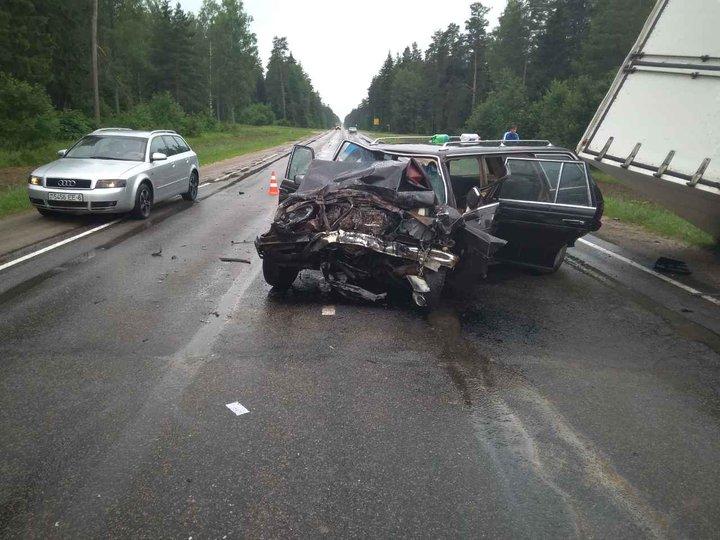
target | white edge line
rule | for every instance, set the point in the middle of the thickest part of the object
(34, 254)
(666, 279)
(57, 245)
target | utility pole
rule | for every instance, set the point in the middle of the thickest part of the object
(94, 47)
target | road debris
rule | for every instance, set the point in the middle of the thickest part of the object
(672, 266)
(157, 253)
(237, 408)
(328, 310)
(234, 259)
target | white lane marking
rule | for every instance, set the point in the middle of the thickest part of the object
(57, 245)
(328, 310)
(237, 408)
(68, 240)
(658, 275)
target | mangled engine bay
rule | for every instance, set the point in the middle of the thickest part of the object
(367, 228)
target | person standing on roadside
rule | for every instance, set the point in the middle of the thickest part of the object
(512, 134)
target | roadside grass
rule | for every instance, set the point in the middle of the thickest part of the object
(36, 155)
(626, 206)
(376, 134)
(218, 145)
(13, 199)
(210, 147)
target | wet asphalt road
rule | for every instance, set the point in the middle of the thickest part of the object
(557, 406)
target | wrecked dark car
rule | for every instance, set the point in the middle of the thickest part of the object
(381, 216)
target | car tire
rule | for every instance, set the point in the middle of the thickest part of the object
(278, 276)
(557, 263)
(192, 192)
(143, 202)
(45, 212)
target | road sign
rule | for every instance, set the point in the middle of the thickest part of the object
(376, 121)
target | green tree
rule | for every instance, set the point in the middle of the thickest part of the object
(24, 45)
(614, 27)
(235, 65)
(510, 48)
(477, 43)
(563, 113)
(562, 36)
(506, 104)
(26, 114)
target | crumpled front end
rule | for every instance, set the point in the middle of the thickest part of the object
(369, 227)
(362, 243)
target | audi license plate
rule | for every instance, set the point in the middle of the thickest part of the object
(65, 196)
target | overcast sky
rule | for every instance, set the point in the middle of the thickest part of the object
(342, 44)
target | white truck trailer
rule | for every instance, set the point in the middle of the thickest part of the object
(658, 128)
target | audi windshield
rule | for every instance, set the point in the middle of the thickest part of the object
(109, 147)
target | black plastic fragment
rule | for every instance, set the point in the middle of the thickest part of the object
(672, 266)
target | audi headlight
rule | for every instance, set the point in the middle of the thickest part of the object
(110, 183)
(35, 180)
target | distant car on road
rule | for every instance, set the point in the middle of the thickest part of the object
(352, 129)
(337, 127)
(116, 170)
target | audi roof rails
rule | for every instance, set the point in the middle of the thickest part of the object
(153, 132)
(99, 130)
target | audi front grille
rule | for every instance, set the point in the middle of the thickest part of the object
(68, 183)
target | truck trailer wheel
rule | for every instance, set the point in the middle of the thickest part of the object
(280, 277)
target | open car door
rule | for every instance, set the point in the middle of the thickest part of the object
(545, 206)
(298, 165)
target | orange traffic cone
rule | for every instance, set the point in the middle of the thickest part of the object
(273, 185)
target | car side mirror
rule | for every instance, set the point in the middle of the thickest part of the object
(61, 153)
(158, 156)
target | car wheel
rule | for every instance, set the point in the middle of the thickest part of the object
(192, 192)
(45, 212)
(557, 263)
(280, 277)
(143, 202)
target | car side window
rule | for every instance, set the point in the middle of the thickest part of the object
(172, 146)
(181, 144)
(158, 145)
(546, 181)
(573, 187)
(465, 174)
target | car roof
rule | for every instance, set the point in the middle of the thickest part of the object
(126, 132)
(465, 150)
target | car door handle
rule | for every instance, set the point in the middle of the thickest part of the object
(574, 221)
